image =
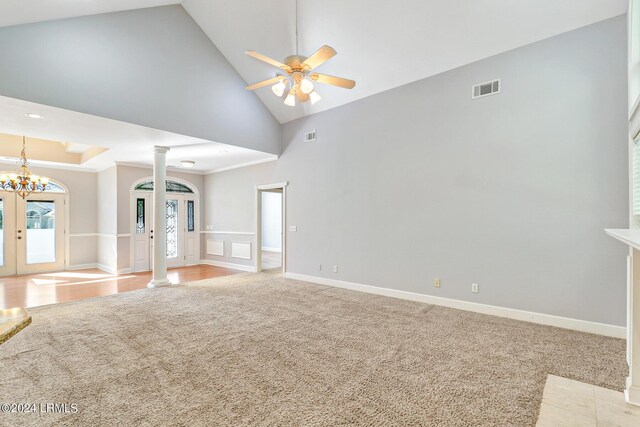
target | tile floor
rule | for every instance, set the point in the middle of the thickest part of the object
(568, 403)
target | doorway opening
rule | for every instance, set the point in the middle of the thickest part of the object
(270, 236)
(183, 234)
(33, 236)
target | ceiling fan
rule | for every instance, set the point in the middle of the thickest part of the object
(300, 75)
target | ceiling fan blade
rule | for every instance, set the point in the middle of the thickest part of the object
(319, 57)
(266, 59)
(265, 83)
(334, 81)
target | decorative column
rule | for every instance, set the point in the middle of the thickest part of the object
(159, 218)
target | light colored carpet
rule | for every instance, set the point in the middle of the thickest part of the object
(257, 349)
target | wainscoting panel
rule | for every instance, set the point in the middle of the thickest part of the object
(241, 250)
(215, 247)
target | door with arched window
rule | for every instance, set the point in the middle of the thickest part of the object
(32, 231)
(183, 234)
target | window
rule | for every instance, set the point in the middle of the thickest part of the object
(171, 187)
(140, 217)
(33, 220)
(191, 222)
(634, 52)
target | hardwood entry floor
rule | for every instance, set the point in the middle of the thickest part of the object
(50, 288)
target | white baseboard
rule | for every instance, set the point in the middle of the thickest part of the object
(527, 316)
(106, 268)
(264, 248)
(82, 266)
(241, 267)
(124, 271)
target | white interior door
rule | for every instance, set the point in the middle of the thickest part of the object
(183, 231)
(7, 233)
(142, 232)
(40, 234)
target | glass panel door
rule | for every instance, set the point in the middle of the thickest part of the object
(172, 228)
(41, 227)
(40, 233)
(175, 230)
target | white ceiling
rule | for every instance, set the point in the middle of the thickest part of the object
(383, 44)
(127, 143)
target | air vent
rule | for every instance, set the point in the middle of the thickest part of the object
(486, 89)
(310, 136)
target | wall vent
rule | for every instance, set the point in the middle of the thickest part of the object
(310, 136)
(486, 89)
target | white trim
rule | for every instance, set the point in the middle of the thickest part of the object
(527, 316)
(239, 233)
(230, 265)
(275, 186)
(89, 266)
(258, 222)
(265, 248)
(124, 271)
(106, 269)
(242, 165)
(99, 235)
(170, 168)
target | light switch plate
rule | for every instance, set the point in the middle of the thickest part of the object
(293, 228)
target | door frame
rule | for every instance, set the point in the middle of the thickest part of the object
(258, 220)
(67, 219)
(134, 194)
(21, 248)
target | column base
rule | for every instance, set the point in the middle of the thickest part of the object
(632, 395)
(158, 283)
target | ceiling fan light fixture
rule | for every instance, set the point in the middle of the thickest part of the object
(314, 97)
(291, 98)
(278, 88)
(188, 163)
(306, 86)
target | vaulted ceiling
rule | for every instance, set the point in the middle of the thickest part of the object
(380, 44)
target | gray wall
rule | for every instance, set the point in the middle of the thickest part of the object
(510, 191)
(127, 66)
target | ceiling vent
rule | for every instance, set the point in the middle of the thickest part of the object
(310, 136)
(486, 89)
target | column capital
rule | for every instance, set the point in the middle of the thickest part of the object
(160, 149)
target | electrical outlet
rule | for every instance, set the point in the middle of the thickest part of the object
(474, 287)
(335, 268)
(436, 282)
(293, 228)
(319, 267)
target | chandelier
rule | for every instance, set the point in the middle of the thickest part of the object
(22, 182)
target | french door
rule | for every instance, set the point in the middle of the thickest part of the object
(182, 235)
(32, 233)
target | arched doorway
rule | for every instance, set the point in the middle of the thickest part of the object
(33, 231)
(183, 231)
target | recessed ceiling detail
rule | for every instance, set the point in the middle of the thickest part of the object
(47, 150)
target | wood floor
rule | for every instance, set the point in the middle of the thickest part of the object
(50, 288)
